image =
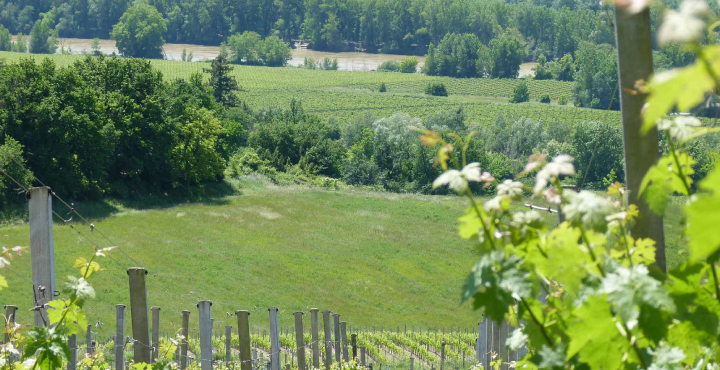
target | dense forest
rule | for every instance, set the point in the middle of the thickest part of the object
(552, 28)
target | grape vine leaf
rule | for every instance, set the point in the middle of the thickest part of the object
(703, 218)
(3, 282)
(595, 336)
(495, 283)
(662, 180)
(564, 261)
(52, 344)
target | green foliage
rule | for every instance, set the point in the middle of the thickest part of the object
(139, 33)
(564, 68)
(563, 99)
(223, 84)
(43, 39)
(456, 56)
(544, 98)
(11, 153)
(520, 93)
(382, 88)
(250, 48)
(5, 40)
(506, 55)
(542, 72)
(389, 66)
(436, 89)
(596, 77)
(408, 65)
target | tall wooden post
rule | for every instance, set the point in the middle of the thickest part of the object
(442, 355)
(353, 341)
(336, 327)
(328, 339)
(244, 339)
(10, 312)
(119, 336)
(139, 314)
(274, 339)
(634, 47)
(88, 340)
(228, 345)
(184, 344)
(300, 340)
(315, 337)
(205, 321)
(72, 361)
(155, 332)
(42, 250)
(343, 338)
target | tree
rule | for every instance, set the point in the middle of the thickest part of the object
(596, 77)
(542, 71)
(223, 84)
(564, 68)
(245, 47)
(5, 40)
(196, 158)
(408, 65)
(506, 55)
(455, 56)
(43, 39)
(520, 93)
(275, 52)
(139, 33)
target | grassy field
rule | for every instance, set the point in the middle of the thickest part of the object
(375, 258)
(342, 95)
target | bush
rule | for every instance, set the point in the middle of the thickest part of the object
(436, 89)
(409, 65)
(382, 88)
(563, 99)
(389, 66)
(520, 93)
(244, 162)
(544, 98)
(10, 152)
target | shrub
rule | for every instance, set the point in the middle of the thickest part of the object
(389, 66)
(409, 65)
(563, 99)
(544, 98)
(520, 93)
(382, 88)
(436, 89)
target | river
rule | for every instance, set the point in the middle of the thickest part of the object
(347, 61)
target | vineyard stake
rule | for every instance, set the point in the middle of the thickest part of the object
(274, 339)
(205, 322)
(362, 356)
(336, 343)
(139, 314)
(228, 345)
(328, 339)
(315, 338)
(42, 250)
(353, 342)
(343, 337)
(10, 317)
(184, 344)
(442, 355)
(72, 361)
(88, 340)
(155, 332)
(119, 336)
(299, 339)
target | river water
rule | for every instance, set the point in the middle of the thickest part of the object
(347, 61)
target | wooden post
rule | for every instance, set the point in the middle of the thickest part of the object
(155, 332)
(336, 343)
(274, 339)
(362, 356)
(139, 314)
(119, 336)
(205, 322)
(184, 344)
(412, 363)
(42, 250)
(315, 338)
(228, 345)
(343, 338)
(442, 355)
(634, 47)
(244, 339)
(502, 348)
(353, 342)
(10, 311)
(328, 339)
(300, 340)
(72, 361)
(481, 342)
(88, 340)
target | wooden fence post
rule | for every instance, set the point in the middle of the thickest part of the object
(315, 338)
(328, 339)
(353, 343)
(119, 336)
(442, 354)
(228, 345)
(274, 339)
(184, 344)
(343, 338)
(299, 339)
(336, 342)
(205, 322)
(139, 314)
(72, 361)
(362, 356)
(42, 250)
(155, 332)
(10, 312)
(244, 339)
(502, 348)
(88, 340)
(634, 48)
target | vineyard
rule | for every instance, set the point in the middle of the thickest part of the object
(343, 95)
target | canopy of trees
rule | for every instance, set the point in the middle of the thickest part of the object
(140, 32)
(250, 48)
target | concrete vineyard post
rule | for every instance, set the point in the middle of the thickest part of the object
(412, 363)
(328, 339)
(274, 339)
(336, 337)
(88, 340)
(228, 344)
(72, 361)
(502, 348)
(244, 339)
(139, 314)
(343, 337)
(442, 355)
(155, 332)
(205, 322)
(315, 338)
(184, 344)
(119, 336)
(42, 250)
(362, 356)
(299, 340)
(634, 48)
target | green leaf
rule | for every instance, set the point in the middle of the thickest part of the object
(565, 260)
(3, 282)
(666, 358)
(495, 283)
(49, 346)
(552, 358)
(662, 181)
(55, 310)
(703, 218)
(595, 336)
(469, 225)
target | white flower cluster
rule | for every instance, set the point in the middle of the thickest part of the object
(560, 165)
(680, 127)
(683, 26)
(588, 209)
(458, 180)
